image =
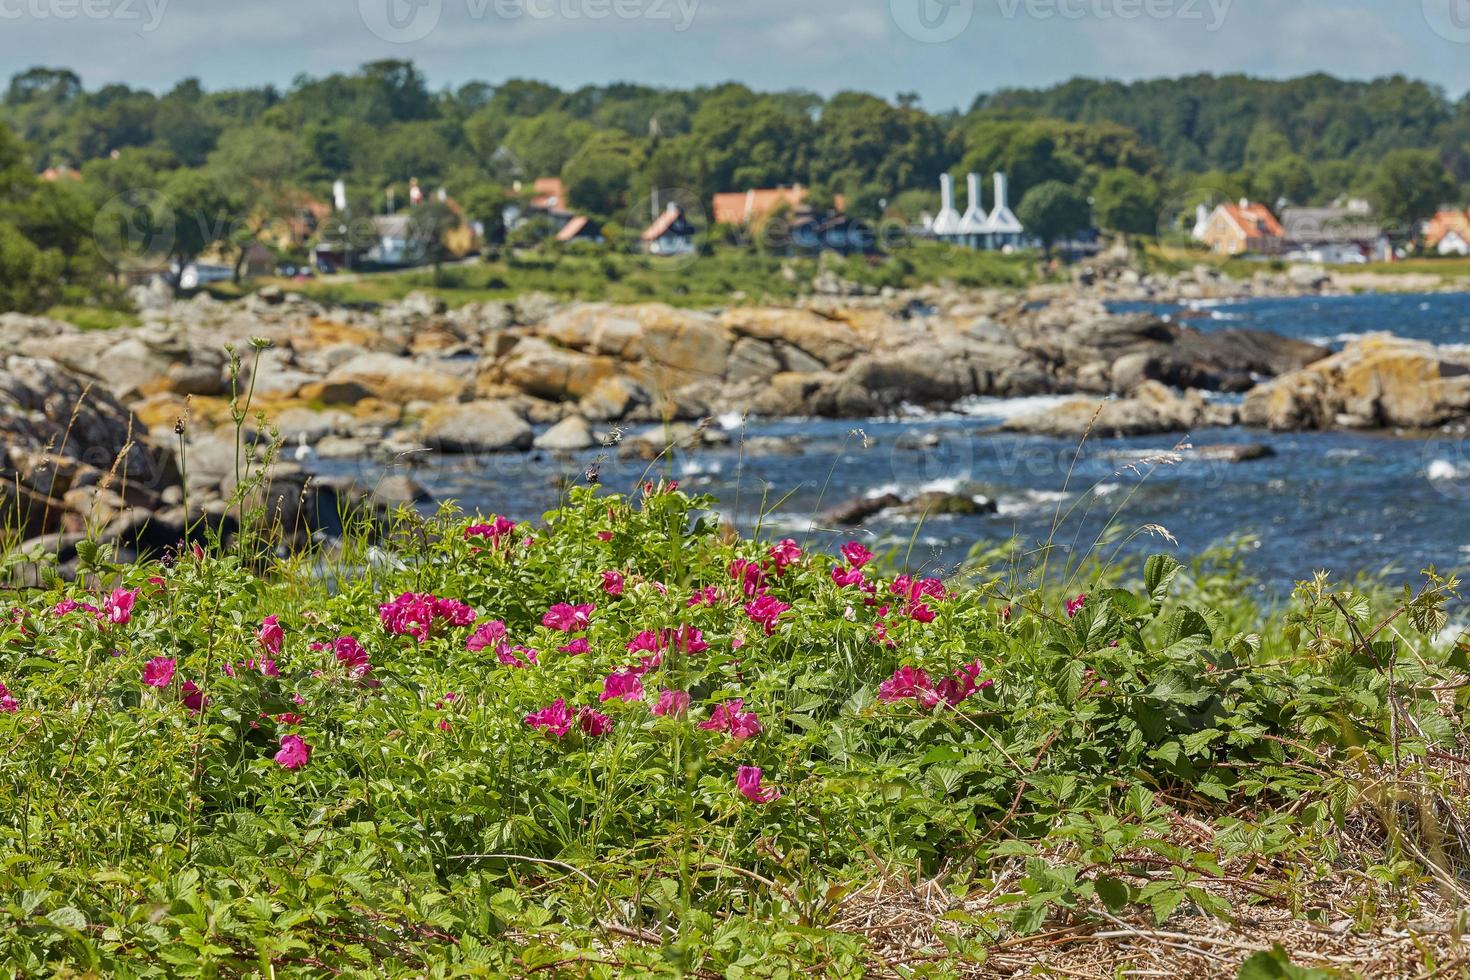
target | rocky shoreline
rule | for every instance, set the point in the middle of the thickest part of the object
(96, 421)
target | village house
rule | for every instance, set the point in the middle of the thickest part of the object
(1000, 229)
(1448, 233)
(1238, 229)
(670, 234)
(1343, 234)
(580, 228)
(753, 206)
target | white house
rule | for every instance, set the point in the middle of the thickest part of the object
(975, 229)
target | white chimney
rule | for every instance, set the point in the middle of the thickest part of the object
(1245, 202)
(1002, 203)
(974, 181)
(946, 192)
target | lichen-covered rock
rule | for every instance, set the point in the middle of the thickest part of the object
(475, 427)
(1375, 382)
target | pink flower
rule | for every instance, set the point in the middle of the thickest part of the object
(785, 553)
(594, 724)
(288, 718)
(612, 583)
(906, 682)
(623, 685)
(728, 717)
(685, 639)
(1074, 606)
(554, 719)
(194, 698)
(521, 658)
(672, 704)
(350, 654)
(604, 535)
(159, 672)
(707, 596)
(567, 618)
(920, 613)
(294, 752)
(845, 577)
(577, 647)
(962, 684)
(414, 614)
(270, 635)
(492, 532)
(750, 576)
(8, 704)
(748, 782)
(118, 609)
(765, 610)
(857, 556)
(489, 634)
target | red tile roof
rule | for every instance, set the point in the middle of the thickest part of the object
(548, 192)
(572, 228)
(665, 221)
(1445, 222)
(745, 207)
(1256, 220)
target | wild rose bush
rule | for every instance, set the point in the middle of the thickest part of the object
(515, 737)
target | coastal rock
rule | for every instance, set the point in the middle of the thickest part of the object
(830, 341)
(1153, 408)
(571, 434)
(613, 398)
(1380, 381)
(934, 503)
(1235, 452)
(399, 379)
(543, 371)
(859, 509)
(475, 427)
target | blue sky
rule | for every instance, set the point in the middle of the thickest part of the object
(946, 50)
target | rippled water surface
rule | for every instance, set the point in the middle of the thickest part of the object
(1346, 502)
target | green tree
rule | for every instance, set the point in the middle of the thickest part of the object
(485, 203)
(1287, 178)
(599, 176)
(259, 164)
(200, 214)
(1052, 210)
(1127, 202)
(430, 224)
(29, 276)
(1409, 186)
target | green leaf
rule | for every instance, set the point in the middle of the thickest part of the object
(1114, 892)
(1277, 965)
(1159, 573)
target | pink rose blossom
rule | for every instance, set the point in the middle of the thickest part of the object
(707, 596)
(623, 685)
(594, 724)
(554, 719)
(857, 556)
(294, 752)
(489, 634)
(8, 704)
(194, 698)
(1074, 606)
(577, 647)
(612, 583)
(729, 717)
(672, 704)
(567, 618)
(785, 553)
(159, 672)
(271, 636)
(118, 609)
(765, 610)
(748, 782)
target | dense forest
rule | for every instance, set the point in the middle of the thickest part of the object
(1138, 150)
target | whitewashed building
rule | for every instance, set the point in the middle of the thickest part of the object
(975, 228)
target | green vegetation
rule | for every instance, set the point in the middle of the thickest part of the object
(721, 278)
(621, 741)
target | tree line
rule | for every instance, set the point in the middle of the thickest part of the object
(1125, 156)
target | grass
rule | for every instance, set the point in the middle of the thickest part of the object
(724, 277)
(94, 317)
(224, 763)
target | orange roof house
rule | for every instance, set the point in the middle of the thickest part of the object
(1235, 229)
(1448, 232)
(548, 193)
(749, 207)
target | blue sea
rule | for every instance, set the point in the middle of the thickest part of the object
(1349, 503)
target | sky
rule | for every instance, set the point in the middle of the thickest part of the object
(947, 51)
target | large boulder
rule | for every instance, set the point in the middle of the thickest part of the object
(400, 379)
(475, 427)
(1378, 381)
(1152, 409)
(555, 374)
(831, 340)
